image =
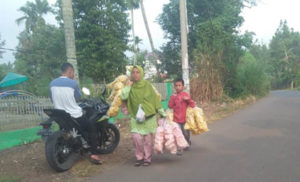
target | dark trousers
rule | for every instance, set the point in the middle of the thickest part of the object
(186, 133)
(90, 131)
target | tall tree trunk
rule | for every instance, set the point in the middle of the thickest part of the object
(149, 35)
(69, 35)
(133, 37)
(146, 25)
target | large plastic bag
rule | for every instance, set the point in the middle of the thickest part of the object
(170, 114)
(115, 106)
(121, 78)
(170, 143)
(190, 120)
(179, 137)
(199, 117)
(113, 94)
(159, 140)
(195, 121)
(113, 111)
(115, 97)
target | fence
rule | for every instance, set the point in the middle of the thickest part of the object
(25, 111)
(18, 112)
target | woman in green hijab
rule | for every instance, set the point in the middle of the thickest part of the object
(140, 92)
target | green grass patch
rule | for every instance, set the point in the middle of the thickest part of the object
(10, 179)
(18, 137)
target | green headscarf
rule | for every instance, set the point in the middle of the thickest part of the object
(143, 93)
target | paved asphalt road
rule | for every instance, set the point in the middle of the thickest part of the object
(260, 143)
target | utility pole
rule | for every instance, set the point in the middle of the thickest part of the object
(184, 46)
(69, 35)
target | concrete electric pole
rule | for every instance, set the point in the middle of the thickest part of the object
(184, 46)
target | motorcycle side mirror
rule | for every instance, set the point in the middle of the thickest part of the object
(86, 91)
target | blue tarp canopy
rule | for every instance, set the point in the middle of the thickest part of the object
(12, 79)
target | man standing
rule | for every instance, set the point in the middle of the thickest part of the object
(64, 93)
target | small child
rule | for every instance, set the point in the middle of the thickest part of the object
(179, 103)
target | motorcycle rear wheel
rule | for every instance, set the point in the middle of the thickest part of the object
(59, 154)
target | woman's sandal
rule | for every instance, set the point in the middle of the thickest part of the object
(95, 161)
(146, 164)
(138, 163)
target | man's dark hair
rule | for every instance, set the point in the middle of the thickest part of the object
(179, 80)
(66, 66)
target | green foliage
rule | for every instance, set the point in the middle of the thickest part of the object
(41, 49)
(285, 57)
(4, 69)
(33, 12)
(141, 57)
(171, 60)
(251, 77)
(101, 31)
(213, 39)
(132, 4)
(40, 56)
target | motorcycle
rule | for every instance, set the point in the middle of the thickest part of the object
(65, 146)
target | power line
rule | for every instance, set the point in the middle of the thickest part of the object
(7, 49)
(35, 52)
(27, 51)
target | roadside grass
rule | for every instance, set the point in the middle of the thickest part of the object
(10, 179)
(298, 88)
(216, 111)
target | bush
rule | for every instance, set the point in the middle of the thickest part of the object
(251, 78)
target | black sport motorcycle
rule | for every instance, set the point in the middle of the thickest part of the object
(64, 146)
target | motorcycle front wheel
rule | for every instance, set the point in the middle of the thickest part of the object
(109, 137)
(59, 154)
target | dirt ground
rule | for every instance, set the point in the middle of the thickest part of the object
(28, 163)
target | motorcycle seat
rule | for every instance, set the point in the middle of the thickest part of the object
(55, 113)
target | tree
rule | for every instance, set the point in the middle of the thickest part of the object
(41, 57)
(133, 4)
(146, 25)
(40, 51)
(214, 43)
(33, 13)
(285, 57)
(67, 12)
(4, 69)
(251, 77)
(101, 30)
